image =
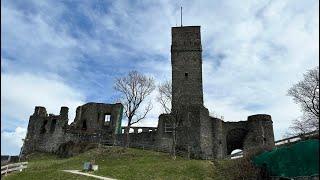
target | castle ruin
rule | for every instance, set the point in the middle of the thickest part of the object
(200, 134)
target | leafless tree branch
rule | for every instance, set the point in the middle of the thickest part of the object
(306, 93)
(134, 88)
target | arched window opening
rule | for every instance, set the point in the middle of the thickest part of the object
(140, 130)
(43, 127)
(53, 125)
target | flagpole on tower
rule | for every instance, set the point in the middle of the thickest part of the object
(181, 16)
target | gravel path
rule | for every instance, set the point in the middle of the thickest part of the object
(87, 174)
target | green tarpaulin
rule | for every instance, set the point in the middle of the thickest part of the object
(299, 159)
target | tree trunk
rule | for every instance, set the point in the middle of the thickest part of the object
(126, 138)
(174, 139)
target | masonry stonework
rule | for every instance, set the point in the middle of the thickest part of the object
(202, 135)
(199, 134)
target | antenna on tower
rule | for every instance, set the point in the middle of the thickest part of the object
(181, 16)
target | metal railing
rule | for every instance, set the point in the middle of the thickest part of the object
(296, 138)
(164, 149)
(312, 177)
(13, 167)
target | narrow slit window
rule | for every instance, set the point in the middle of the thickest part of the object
(53, 125)
(186, 75)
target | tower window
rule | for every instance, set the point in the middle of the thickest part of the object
(107, 119)
(186, 75)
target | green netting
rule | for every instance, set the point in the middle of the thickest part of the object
(118, 125)
(299, 159)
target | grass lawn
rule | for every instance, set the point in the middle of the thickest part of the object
(119, 163)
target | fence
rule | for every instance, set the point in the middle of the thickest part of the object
(315, 177)
(296, 138)
(164, 149)
(13, 167)
(281, 142)
(6, 159)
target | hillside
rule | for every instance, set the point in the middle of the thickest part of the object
(119, 163)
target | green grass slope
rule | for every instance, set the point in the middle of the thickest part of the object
(119, 163)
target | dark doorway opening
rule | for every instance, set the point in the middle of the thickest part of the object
(84, 125)
(53, 125)
(43, 127)
(235, 139)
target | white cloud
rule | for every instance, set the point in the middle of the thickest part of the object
(253, 52)
(11, 142)
(37, 45)
(265, 48)
(20, 93)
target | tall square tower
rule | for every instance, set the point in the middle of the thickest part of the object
(186, 61)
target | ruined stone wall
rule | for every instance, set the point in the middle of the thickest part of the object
(91, 116)
(164, 139)
(257, 131)
(260, 131)
(47, 132)
(199, 134)
(218, 138)
(206, 137)
(139, 139)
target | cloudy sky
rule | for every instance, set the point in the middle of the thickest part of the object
(67, 53)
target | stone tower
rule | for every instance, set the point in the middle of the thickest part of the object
(194, 134)
(186, 61)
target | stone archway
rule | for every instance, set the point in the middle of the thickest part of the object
(235, 139)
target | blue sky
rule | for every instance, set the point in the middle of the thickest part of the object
(67, 53)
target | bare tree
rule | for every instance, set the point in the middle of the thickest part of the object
(134, 88)
(165, 96)
(176, 113)
(306, 93)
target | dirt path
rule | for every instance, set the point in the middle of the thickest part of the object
(87, 174)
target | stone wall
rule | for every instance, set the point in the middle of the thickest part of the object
(257, 131)
(47, 132)
(198, 133)
(97, 116)
(186, 64)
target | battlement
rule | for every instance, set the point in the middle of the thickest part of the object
(186, 38)
(260, 117)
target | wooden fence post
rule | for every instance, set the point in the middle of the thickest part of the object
(7, 170)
